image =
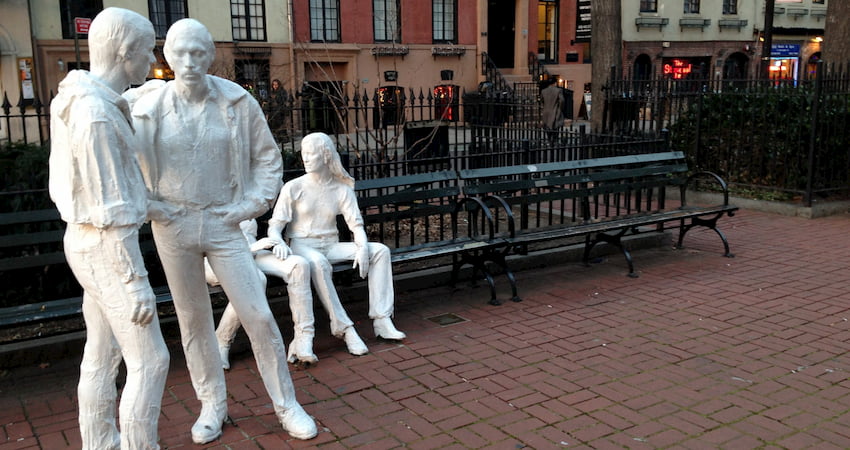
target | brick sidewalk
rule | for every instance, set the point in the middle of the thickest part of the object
(701, 351)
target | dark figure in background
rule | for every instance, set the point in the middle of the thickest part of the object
(276, 111)
(553, 100)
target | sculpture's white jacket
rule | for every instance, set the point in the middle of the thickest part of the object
(255, 164)
(94, 177)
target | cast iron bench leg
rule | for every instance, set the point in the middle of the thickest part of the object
(499, 258)
(708, 223)
(615, 240)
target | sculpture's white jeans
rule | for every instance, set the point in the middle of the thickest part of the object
(321, 253)
(182, 245)
(100, 259)
(295, 271)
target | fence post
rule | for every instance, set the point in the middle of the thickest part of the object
(526, 156)
(698, 133)
(816, 100)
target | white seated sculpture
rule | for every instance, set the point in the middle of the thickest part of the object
(307, 209)
(208, 151)
(295, 271)
(97, 186)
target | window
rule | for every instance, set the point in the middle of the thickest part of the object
(730, 6)
(547, 31)
(71, 9)
(324, 20)
(691, 6)
(248, 19)
(253, 75)
(648, 6)
(164, 13)
(818, 2)
(387, 19)
(444, 13)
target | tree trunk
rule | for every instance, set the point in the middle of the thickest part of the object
(606, 49)
(836, 38)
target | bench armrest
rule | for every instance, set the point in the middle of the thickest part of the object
(478, 204)
(498, 203)
(706, 174)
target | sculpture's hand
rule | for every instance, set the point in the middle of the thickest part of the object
(266, 243)
(235, 215)
(163, 212)
(142, 302)
(361, 260)
(281, 250)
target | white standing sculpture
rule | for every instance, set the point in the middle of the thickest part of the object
(97, 186)
(307, 209)
(208, 151)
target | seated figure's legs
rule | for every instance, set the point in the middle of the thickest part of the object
(321, 272)
(229, 323)
(295, 271)
(380, 280)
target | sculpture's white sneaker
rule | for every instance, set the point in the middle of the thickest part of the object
(355, 345)
(208, 426)
(384, 328)
(298, 423)
(224, 354)
(301, 350)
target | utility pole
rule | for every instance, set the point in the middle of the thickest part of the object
(767, 34)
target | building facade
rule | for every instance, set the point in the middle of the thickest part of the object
(353, 45)
(682, 39)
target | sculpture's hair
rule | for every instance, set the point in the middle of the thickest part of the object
(326, 147)
(115, 34)
(193, 28)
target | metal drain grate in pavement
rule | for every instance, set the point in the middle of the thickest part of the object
(446, 319)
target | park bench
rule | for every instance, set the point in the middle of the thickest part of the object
(417, 216)
(32, 263)
(424, 216)
(597, 199)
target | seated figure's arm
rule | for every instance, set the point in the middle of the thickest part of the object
(354, 220)
(275, 237)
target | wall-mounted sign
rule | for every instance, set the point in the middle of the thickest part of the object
(25, 69)
(785, 50)
(583, 27)
(678, 68)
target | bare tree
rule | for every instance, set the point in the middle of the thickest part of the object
(836, 41)
(606, 48)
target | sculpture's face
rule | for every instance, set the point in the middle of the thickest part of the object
(189, 59)
(313, 159)
(138, 64)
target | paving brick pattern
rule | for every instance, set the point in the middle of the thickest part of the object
(701, 351)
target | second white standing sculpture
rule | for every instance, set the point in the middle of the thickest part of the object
(207, 150)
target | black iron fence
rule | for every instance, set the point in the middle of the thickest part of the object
(397, 131)
(772, 138)
(24, 122)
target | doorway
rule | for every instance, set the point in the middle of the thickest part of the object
(501, 18)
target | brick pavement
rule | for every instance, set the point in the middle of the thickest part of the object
(701, 351)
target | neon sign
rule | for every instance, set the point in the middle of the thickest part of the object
(678, 68)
